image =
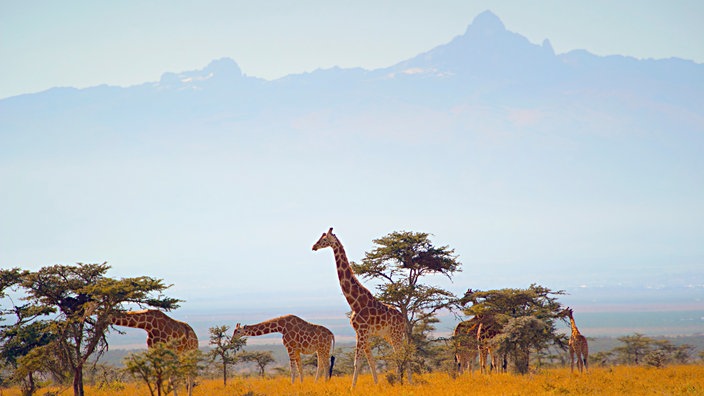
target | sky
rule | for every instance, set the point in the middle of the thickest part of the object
(45, 44)
(88, 213)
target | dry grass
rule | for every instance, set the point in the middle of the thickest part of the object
(621, 380)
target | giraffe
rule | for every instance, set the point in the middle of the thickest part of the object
(465, 345)
(299, 337)
(369, 316)
(160, 328)
(487, 329)
(577, 345)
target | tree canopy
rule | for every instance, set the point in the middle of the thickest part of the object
(401, 260)
(524, 320)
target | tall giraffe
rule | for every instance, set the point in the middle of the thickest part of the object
(465, 344)
(299, 337)
(369, 316)
(159, 327)
(577, 345)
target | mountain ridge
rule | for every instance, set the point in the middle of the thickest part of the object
(481, 51)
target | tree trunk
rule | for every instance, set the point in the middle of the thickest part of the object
(521, 360)
(158, 384)
(30, 386)
(78, 381)
(224, 374)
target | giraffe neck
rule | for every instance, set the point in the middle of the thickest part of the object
(137, 321)
(356, 294)
(575, 331)
(277, 325)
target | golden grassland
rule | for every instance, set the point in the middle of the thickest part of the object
(618, 380)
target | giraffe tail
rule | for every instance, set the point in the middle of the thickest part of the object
(332, 364)
(332, 358)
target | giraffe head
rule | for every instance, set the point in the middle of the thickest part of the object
(328, 239)
(239, 331)
(567, 312)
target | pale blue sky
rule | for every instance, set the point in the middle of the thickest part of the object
(44, 44)
(605, 201)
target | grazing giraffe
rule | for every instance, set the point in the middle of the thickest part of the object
(299, 337)
(160, 328)
(577, 345)
(465, 345)
(369, 316)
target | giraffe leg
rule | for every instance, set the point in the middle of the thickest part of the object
(293, 370)
(483, 354)
(295, 361)
(571, 359)
(321, 365)
(357, 353)
(482, 359)
(300, 367)
(579, 361)
(299, 364)
(371, 361)
(363, 347)
(492, 361)
(580, 365)
(586, 358)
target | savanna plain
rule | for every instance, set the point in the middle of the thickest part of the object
(616, 380)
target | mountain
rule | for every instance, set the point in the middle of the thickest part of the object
(487, 63)
(573, 170)
(487, 51)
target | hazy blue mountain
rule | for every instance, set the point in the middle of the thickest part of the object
(485, 65)
(576, 171)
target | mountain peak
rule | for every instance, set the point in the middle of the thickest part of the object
(486, 24)
(223, 67)
(223, 70)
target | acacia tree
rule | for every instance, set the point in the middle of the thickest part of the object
(683, 353)
(22, 343)
(155, 366)
(634, 348)
(261, 359)
(19, 339)
(526, 320)
(83, 300)
(224, 348)
(401, 261)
